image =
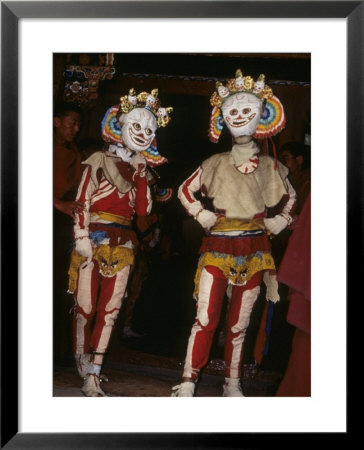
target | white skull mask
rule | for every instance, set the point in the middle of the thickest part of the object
(242, 113)
(138, 129)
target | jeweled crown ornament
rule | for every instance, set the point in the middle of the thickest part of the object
(241, 84)
(149, 101)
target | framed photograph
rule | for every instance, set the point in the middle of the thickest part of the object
(38, 40)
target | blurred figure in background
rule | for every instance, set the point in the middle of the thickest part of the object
(297, 157)
(67, 119)
(274, 337)
(295, 272)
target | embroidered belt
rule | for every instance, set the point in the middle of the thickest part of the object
(225, 224)
(121, 220)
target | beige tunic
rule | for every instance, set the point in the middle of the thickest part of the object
(107, 162)
(242, 196)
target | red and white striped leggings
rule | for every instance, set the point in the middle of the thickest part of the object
(213, 285)
(100, 298)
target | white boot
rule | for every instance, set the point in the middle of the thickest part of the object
(82, 363)
(232, 388)
(91, 386)
(185, 389)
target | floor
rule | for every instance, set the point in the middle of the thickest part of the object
(133, 373)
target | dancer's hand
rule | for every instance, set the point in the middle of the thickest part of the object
(84, 248)
(276, 224)
(206, 219)
(69, 208)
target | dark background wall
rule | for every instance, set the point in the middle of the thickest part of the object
(186, 81)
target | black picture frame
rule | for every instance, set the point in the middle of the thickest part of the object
(11, 12)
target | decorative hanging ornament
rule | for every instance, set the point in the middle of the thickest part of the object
(163, 195)
(153, 157)
(110, 126)
(272, 121)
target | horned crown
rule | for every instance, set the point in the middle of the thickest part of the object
(149, 101)
(241, 84)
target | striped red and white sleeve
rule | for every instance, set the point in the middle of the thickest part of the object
(289, 206)
(143, 197)
(84, 193)
(186, 193)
